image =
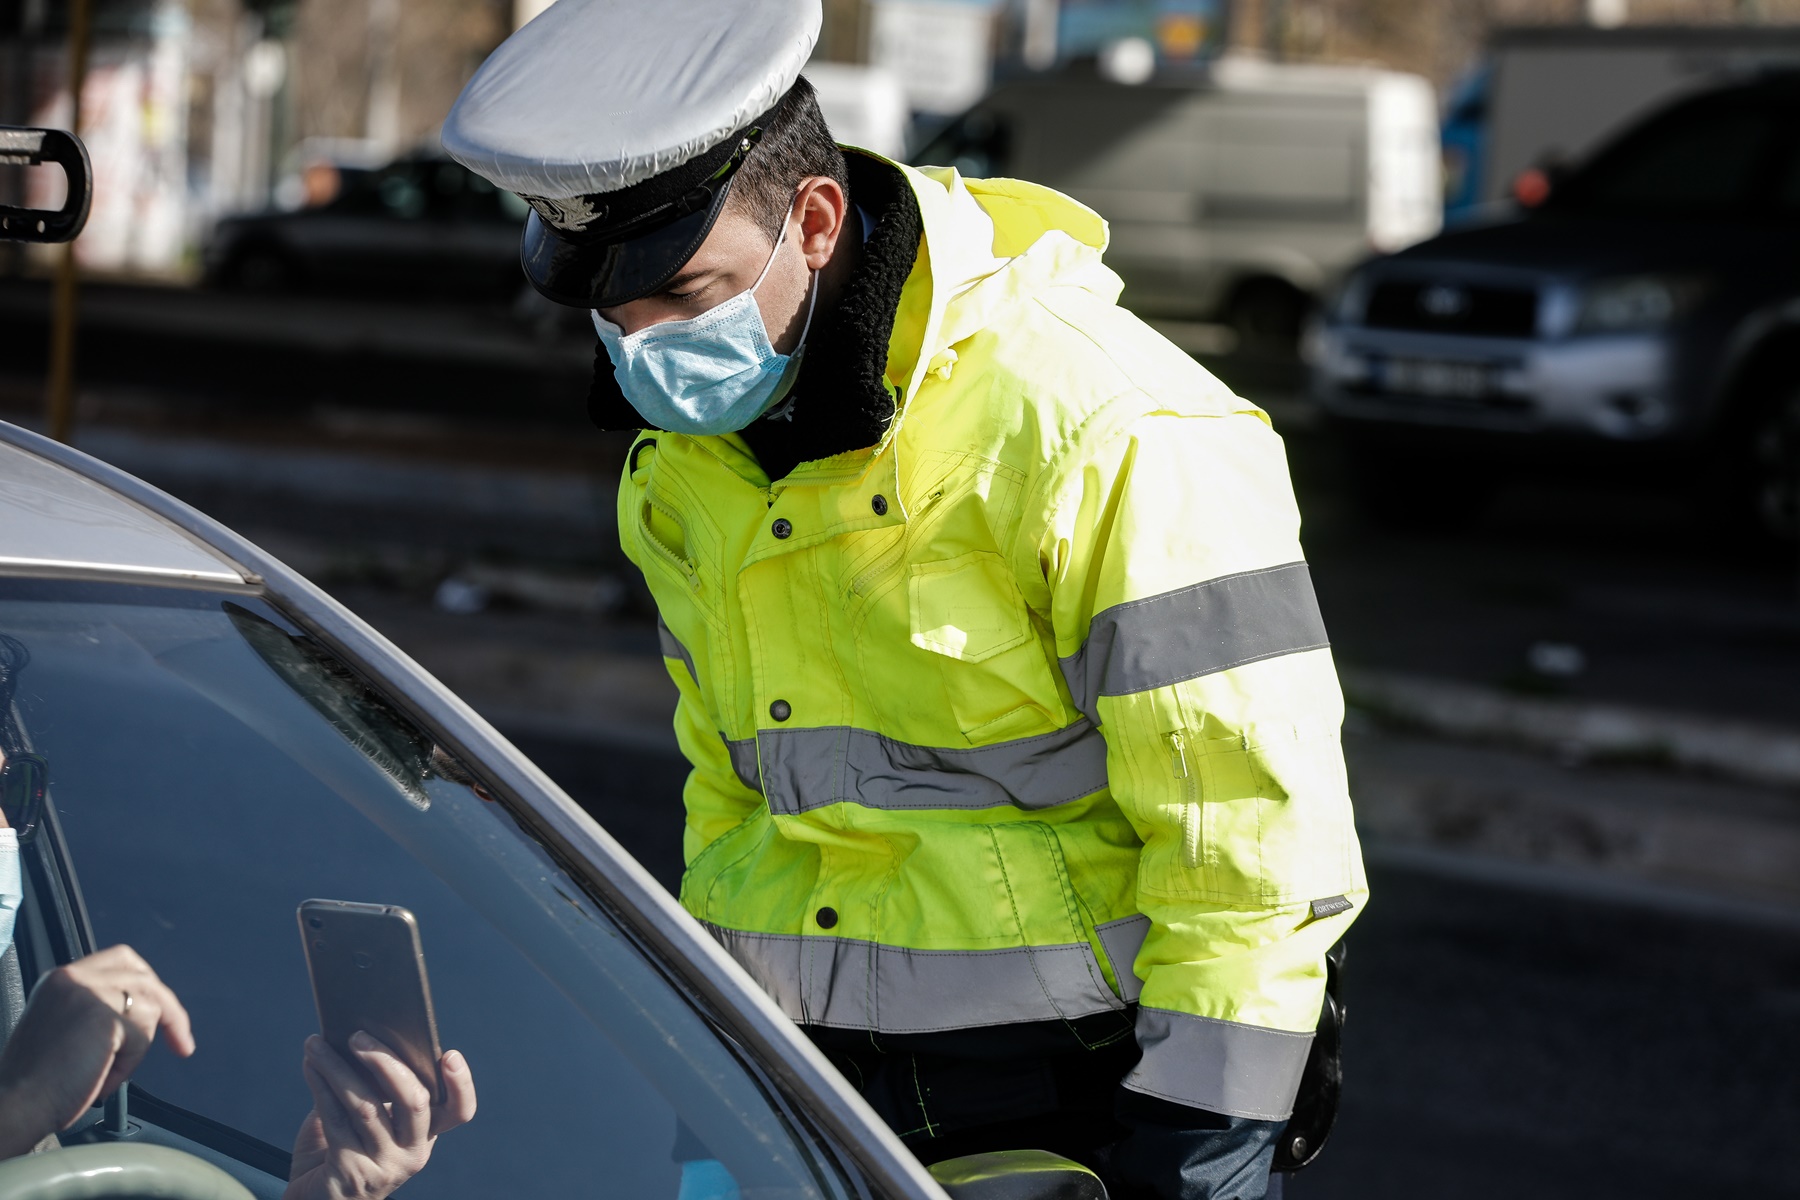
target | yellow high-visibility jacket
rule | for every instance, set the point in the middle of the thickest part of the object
(1027, 712)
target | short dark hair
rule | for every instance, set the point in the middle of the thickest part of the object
(796, 144)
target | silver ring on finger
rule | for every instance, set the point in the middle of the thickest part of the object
(127, 1009)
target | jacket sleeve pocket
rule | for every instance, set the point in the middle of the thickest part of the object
(1275, 821)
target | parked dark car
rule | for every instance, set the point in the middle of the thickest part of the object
(420, 224)
(1646, 313)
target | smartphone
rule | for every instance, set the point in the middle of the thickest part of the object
(368, 972)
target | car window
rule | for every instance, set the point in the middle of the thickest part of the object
(359, 193)
(978, 144)
(461, 195)
(451, 196)
(402, 191)
(1701, 160)
(211, 767)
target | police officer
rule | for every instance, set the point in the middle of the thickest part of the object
(1014, 730)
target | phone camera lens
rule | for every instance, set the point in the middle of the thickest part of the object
(315, 922)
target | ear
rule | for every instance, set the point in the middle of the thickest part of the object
(824, 208)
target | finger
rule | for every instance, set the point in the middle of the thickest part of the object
(118, 972)
(361, 1106)
(458, 1107)
(337, 1130)
(177, 1027)
(147, 989)
(133, 1030)
(309, 1140)
(119, 957)
(411, 1098)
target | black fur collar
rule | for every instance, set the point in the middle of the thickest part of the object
(840, 402)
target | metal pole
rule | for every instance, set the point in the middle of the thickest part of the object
(61, 398)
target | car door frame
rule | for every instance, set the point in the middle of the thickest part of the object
(670, 938)
(56, 929)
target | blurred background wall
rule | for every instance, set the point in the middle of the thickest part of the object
(194, 108)
(197, 108)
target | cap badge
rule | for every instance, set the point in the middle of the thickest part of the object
(572, 215)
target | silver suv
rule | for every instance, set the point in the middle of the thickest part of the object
(1647, 311)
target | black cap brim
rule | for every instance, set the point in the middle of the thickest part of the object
(589, 274)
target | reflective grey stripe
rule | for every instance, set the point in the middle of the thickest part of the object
(1122, 939)
(743, 762)
(1194, 631)
(809, 768)
(1221, 1066)
(743, 754)
(850, 984)
(672, 648)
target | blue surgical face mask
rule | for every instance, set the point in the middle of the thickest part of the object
(12, 889)
(714, 373)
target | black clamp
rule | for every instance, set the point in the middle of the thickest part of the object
(33, 147)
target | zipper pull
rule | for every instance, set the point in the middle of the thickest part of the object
(1190, 800)
(1177, 754)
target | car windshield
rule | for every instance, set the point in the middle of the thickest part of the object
(211, 767)
(1708, 159)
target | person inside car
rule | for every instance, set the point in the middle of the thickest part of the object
(90, 1022)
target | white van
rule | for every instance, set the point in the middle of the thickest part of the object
(1234, 197)
(864, 106)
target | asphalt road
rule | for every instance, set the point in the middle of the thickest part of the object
(1666, 610)
(1502, 1043)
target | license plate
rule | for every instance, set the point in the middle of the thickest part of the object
(1436, 377)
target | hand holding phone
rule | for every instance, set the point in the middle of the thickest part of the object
(368, 973)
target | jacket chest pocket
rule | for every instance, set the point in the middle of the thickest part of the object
(679, 551)
(966, 608)
(677, 546)
(968, 613)
(664, 535)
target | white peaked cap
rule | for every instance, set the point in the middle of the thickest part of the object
(596, 95)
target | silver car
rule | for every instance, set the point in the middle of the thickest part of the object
(222, 741)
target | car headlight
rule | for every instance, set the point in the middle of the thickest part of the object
(1634, 303)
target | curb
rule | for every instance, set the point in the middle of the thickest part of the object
(1640, 827)
(1576, 732)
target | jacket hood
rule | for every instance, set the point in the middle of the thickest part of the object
(988, 243)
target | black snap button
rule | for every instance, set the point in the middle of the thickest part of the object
(782, 527)
(826, 918)
(781, 710)
(879, 504)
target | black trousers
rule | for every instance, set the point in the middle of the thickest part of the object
(1053, 1086)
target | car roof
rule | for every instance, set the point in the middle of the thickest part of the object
(55, 521)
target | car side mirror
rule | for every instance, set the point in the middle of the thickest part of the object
(33, 147)
(1017, 1175)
